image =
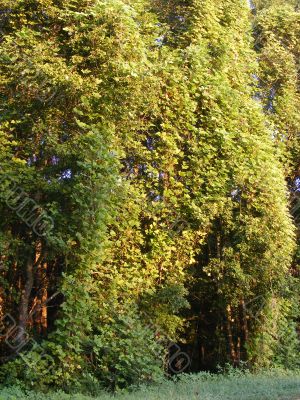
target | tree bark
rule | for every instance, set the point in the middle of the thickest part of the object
(25, 299)
(230, 336)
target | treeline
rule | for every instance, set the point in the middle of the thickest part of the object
(149, 168)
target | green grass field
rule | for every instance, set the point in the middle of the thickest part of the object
(263, 386)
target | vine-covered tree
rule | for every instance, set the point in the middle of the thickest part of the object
(143, 198)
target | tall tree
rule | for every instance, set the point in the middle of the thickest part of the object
(135, 134)
(244, 265)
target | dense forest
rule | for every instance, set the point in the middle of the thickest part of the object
(150, 189)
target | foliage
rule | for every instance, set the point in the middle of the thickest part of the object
(276, 32)
(151, 136)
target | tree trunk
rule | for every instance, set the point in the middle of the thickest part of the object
(25, 299)
(230, 336)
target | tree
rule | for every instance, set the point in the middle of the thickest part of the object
(135, 136)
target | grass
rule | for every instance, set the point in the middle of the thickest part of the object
(237, 386)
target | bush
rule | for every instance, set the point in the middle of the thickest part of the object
(126, 353)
